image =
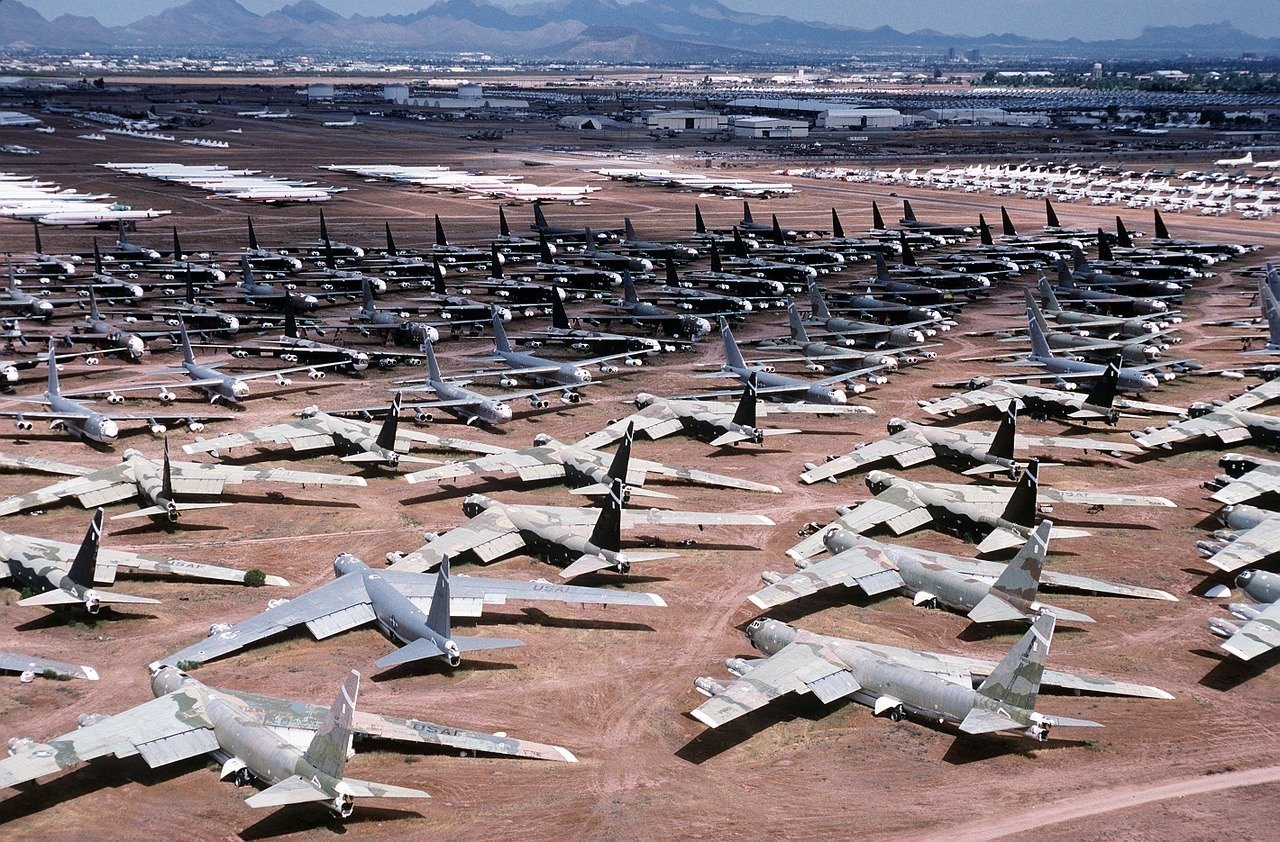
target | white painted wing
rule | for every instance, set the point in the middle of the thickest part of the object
(1258, 636)
(907, 448)
(107, 485)
(790, 670)
(1249, 547)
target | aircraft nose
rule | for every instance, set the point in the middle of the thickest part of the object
(838, 396)
(109, 430)
(503, 412)
(135, 346)
(582, 375)
(240, 389)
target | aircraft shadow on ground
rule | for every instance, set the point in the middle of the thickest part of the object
(304, 818)
(471, 662)
(73, 615)
(715, 741)
(1229, 672)
(972, 749)
(97, 775)
(538, 617)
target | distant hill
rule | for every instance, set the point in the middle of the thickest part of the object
(606, 30)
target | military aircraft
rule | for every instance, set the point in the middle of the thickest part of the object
(824, 391)
(356, 440)
(158, 486)
(986, 591)
(266, 295)
(1261, 630)
(266, 259)
(906, 335)
(472, 407)
(561, 332)
(1163, 240)
(200, 317)
(910, 222)
(1091, 324)
(569, 376)
(108, 284)
(81, 421)
(819, 356)
(979, 696)
(56, 585)
(666, 251)
(412, 609)
(650, 316)
(243, 731)
(588, 540)
(1098, 404)
(709, 422)
(1138, 350)
(104, 333)
(20, 303)
(1251, 536)
(1062, 370)
(30, 667)
(180, 262)
(589, 469)
(1002, 516)
(69, 574)
(910, 444)
(1227, 422)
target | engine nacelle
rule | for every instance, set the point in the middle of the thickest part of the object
(539, 403)
(608, 368)
(289, 358)
(241, 354)
(708, 686)
(633, 362)
(342, 806)
(114, 399)
(508, 382)
(737, 666)
(89, 361)
(158, 430)
(195, 426)
(21, 745)
(167, 397)
(571, 397)
(281, 380)
(219, 628)
(422, 416)
(22, 423)
(315, 374)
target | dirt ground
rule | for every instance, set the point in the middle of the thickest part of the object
(611, 684)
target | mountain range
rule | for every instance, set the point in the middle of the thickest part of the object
(583, 30)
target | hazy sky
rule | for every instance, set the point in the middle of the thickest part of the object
(1039, 18)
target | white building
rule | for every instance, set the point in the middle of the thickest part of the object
(17, 118)
(686, 121)
(396, 92)
(860, 119)
(767, 127)
(319, 91)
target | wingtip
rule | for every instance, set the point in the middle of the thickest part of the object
(657, 601)
(566, 755)
(89, 673)
(697, 714)
(277, 581)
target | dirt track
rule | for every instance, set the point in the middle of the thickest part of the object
(614, 685)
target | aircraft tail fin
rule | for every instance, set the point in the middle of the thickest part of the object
(816, 302)
(699, 225)
(1039, 345)
(908, 256)
(745, 414)
(733, 356)
(97, 258)
(544, 248)
(746, 212)
(716, 264)
(539, 218)
(191, 287)
(121, 237)
(93, 305)
(1007, 223)
(366, 293)
(798, 334)
(628, 230)
(629, 288)
(390, 425)
(177, 249)
(1048, 298)
(391, 242)
(500, 340)
(607, 533)
(1122, 235)
(1162, 233)
(495, 266)
(503, 228)
(39, 246)
(559, 318)
(739, 246)
(53, 369)
(1002, 441)
(882, 268)
(877, 221)
(328, 749)
(166, 476)
(441, 239)
(907, 213)
(437, 277)
(1104, 246)
(1050, 215)
(1034, 309)
(253, 238)
(672, 278)
(621, 462)
(1103, 392)
(188, 355)
(1015, 681)
(85, 564)
(778, 238)
(837, 230)
(1270, 311)
(1079, 260)
(438, 616)
(290, 318)
(324, 228)
(1021, 508)
(1065, 278)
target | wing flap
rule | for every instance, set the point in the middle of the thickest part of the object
(177, 747)
(340, 621)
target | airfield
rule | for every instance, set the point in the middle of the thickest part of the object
(614, 685)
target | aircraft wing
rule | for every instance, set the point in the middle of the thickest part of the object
(1224, 426)
(469, 594)
(1264, 392)
(765, 410)
(418, 731)
(490, 535)
(896, 506)
(531, 464)
(632, 518)
(655, 421)
(195, 478)
(858, 567)
(700, 477)
(1258, 636)
(996, 394)
(796, 668)
(991, 570)
(906, 448)
(19, 662)
(36, 463)
(164, 730)
(1254, 483)
(303, 435)
(1249, 547)
(1022, 442)
(1099, 498)
(108, 485)
(445, 442)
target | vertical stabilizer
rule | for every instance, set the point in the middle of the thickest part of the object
(328, 749)
(1021, 508)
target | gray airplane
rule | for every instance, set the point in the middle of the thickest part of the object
(825, 391)
(913, 444)
(21, 303)
(986, 591)
(160, 485)
(978, 696)
(1064, 369)
(356, 440)
(588, 469)
(102, 332)
(31, 667)
(893, 336)
(708, 422)
(1131, 351)
(412, 609)
(1003, 517)
(568, 375)
(588, 540)
(56, 585)
(1228, 422)
(83, 422)
(243, 732)
(1260, 632)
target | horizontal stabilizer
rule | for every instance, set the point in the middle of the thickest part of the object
(980, 721)
(475, 644)
(730, 437)
(367, 789)
(418, 650)
(599, 490)
(160, 511)
(993, 609)
(295, 790)
(107, 598)
(53, 597)
(585, 564)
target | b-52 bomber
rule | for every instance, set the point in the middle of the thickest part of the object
(1227, 422)
(243, 732)
(568, 376)
(709, 422)
(355, 440)
(159, 486)
(913, 444)
(1100, 403)
(561, 332)
(979, 696)
(1002, 517)
(1260, 632)
(591, 470)
(986, 591)
(412, 609)
(587, 540)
